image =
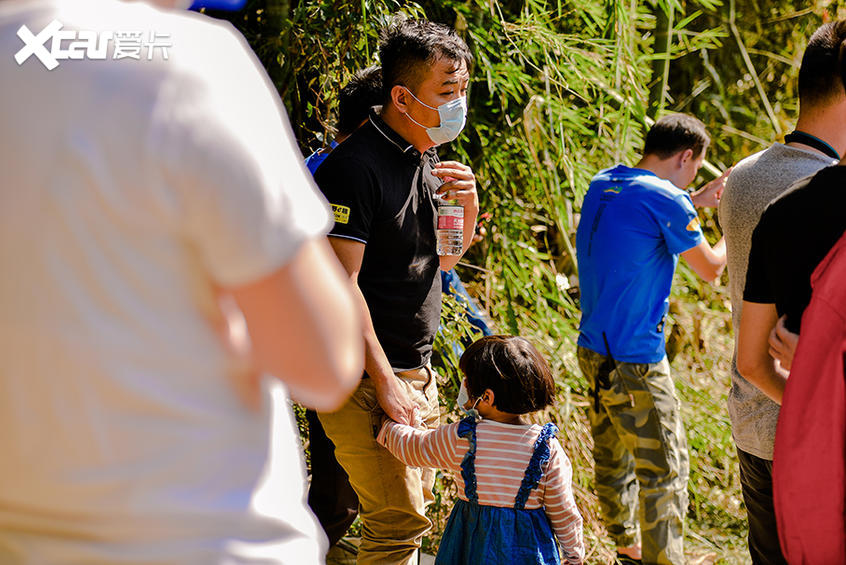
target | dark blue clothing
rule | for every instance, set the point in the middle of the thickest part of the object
(633, 227)
(316, 159)
(451, 285)
(497, 535)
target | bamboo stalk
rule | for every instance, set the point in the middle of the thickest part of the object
(649, 122)
(661, 66)
(751, 68)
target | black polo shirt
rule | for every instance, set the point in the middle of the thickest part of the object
(381, 190)
(795, 233)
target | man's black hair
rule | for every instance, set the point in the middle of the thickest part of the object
(822, 76)
(513, 369)
(407, 47)
(363, 91)
(675, 133)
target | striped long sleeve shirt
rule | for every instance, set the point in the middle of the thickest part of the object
(503, 452)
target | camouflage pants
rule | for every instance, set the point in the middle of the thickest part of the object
(640, 453)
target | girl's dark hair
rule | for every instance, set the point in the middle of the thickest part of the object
(513, 369)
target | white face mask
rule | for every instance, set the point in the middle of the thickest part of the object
(453, 116)
(464, 398)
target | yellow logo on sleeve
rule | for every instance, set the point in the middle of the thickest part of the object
(341, 213)
(693, 225)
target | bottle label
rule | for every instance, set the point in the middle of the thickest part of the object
(450, 218)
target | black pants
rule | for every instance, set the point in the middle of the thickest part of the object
(330, 495)
(756, 481)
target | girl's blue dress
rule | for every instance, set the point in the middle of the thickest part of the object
(477, 534)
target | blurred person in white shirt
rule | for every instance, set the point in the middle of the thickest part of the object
(137, 196)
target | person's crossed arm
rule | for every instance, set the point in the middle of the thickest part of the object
(754, 361)
(706, 261)
(759, 317)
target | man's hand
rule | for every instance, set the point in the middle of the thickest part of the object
(709, 195)
(783, 344)
(395, 401)
(459, 184)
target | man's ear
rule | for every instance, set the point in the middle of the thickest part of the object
(400, 98)
(685, 156)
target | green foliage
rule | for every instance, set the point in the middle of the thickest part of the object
(559, 90)
(745, 87)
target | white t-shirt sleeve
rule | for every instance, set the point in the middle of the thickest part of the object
(246, 200)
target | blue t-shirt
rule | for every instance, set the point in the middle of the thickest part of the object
(316, 159)
(633, 227)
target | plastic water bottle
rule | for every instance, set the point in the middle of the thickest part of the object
(450, 232)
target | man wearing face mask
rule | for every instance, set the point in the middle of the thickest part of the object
(381, 183)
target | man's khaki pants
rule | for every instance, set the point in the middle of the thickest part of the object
(392, 496)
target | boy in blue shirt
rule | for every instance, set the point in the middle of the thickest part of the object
(635, 223)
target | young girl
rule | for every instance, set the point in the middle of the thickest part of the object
(513, 478)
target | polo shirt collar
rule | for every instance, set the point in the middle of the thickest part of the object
(393, 137)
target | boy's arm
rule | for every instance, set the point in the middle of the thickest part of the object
(706, 261)
(679, 223)
(709, 195)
